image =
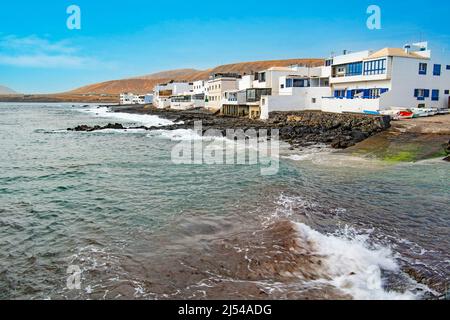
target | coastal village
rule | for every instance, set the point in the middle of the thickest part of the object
(400, 82)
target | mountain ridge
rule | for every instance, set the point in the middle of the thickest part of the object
(145, 83)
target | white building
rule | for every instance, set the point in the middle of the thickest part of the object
(164, 92)
(391, 78)
(131, 98)
(270, 78)
(187, 101)
(244, 103)
(301, 89)
(216, 87)
(199, 87)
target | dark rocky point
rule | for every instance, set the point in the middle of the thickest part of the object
(300, 129)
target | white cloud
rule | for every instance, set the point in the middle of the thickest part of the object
(35, 44)
(36, 52)
(46, 61)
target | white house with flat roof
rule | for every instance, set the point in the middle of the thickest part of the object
(216, 87)
(301, 89)
(131, 98)
(164, 92)
(270, 78)
(388, 79)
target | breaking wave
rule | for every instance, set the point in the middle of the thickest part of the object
(143, 119)
(350, 261)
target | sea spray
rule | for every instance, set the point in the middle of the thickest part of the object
(352, 266)
(145, 119)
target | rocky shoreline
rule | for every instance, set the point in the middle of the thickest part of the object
(299, 129)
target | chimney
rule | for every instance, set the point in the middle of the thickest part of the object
(344, 52)
(408, 48)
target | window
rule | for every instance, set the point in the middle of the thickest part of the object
(339, 93)
(423, 68)
(300, 83)
(375, 93)
(421, 94)
(437, 70)
(375, 67)
(289, 83)
(448, 67)
(262, 77)
(354, 69)
(313, 100)
(435, 95)
(446, 91)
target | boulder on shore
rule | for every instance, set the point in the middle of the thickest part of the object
(86, 128)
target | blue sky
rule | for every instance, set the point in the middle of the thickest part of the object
(39, 54)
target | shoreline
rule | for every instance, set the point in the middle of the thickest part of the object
(299, 129)
(391, 141)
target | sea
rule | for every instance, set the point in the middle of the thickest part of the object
(109, 215)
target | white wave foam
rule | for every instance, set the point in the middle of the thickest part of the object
(310, 153)
(353, 266)
(144, 119)
(177, 135)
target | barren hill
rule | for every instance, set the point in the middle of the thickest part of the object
(146, 83)
(6, 90)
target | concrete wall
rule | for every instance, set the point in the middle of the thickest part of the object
(302, 99)
(187, 105)
(350, 105)
(246, 82)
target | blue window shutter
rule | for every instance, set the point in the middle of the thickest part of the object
(427, 93)
(336, 93)
(349, 94)
(437, 70)
(384, 90)
(416, 93)
(435, 95)
(366, 93)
